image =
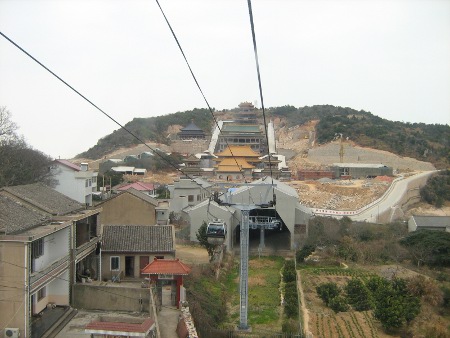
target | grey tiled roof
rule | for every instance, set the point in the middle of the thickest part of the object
(15, 217)
(44, 198)
(432, 221)
(135, 193)
(138, 238)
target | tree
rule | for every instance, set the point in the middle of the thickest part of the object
(328, 291)
(338, 304)
(394, 304)
(20, 164)
(7, 126)
(203, 239)
(358, 295)
(429, 247)
(23, 165)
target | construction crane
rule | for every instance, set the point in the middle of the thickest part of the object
(341, 147)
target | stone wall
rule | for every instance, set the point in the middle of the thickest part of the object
(111, 298)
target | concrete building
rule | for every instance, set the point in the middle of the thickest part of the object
(186, 192)
(359, 170)
(47, 242)
(438, 223)
(129, 207)
(287, 209)
(75, 181)
(127, 249)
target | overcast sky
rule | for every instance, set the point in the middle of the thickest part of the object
(390, 57)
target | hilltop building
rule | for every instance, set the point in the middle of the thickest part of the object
(243, 130)
(191, 132)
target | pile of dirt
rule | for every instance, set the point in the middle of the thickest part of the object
(339, 195)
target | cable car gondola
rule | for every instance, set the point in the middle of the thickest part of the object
(216, 232)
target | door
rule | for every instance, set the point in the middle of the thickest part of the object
(129, 266)
(143, 262)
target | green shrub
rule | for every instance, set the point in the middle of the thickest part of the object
(328, 291)
(338, 304)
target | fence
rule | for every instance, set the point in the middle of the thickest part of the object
(216, 333)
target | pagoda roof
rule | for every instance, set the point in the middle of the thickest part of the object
(166, 267)
(238, 151)
(191, 127)
(230, 165)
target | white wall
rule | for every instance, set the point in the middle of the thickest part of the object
(75, 187)
(56, 246)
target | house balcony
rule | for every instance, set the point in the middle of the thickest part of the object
(85, 249)
(44, 276)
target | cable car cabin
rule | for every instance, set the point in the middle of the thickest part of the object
(216, 232)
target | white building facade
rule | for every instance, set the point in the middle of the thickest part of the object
(76, 182)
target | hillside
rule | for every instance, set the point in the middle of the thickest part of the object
(425, 142)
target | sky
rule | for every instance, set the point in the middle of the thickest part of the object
(389, 57)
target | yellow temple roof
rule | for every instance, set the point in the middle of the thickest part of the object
(238, 151)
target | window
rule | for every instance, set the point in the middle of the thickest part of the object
(198, 198)
(37, 248)
(90, 182)
(86, 184)
(41, 294)
(94, 179)
(159, 257)
(115, 263)
(191, 198)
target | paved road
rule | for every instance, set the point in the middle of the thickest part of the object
(390, 200)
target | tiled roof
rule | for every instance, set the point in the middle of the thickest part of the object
(135, 193)
(191, 127)
(238, 151)
(227, 162)
(166, 267)
(138, 238)
(140, 186)
(15, 217)
(432, 221)
(104, 327)
(44, 198)
(69, 164)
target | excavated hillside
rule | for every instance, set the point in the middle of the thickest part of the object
(299, 144)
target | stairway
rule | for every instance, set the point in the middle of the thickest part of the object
(60, 323)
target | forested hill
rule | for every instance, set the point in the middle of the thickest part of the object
(148, 129)
(426, 142)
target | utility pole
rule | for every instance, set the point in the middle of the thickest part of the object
(243, 284)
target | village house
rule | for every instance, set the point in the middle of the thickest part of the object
(74, 181)
(127, 249)
(47, 242)
(130, 207)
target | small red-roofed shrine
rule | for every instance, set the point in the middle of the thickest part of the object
(167, 269)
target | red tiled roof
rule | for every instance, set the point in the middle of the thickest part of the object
(166, 267)
(69, 164)
(116, 327)
(140, 186)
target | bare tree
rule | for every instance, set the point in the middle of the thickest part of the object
(7, 126)
(20, 163)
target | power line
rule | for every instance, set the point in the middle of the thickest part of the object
(103, 112)
(198, 86)
(255, 49)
